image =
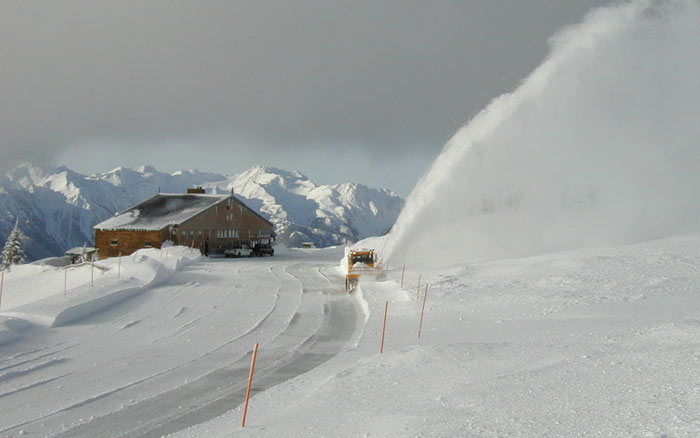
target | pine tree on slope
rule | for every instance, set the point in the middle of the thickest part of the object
(13, 253)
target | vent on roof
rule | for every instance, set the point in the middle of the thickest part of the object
(196, 190)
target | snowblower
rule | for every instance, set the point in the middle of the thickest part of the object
(360, 262)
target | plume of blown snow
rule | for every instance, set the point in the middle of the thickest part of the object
(600, 145)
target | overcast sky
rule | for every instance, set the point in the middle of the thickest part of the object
(363, 91)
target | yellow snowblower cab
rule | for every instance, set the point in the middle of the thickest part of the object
(360, 261)
(364, 256)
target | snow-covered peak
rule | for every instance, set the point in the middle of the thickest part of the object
(27, 174)
(271, 176)
(195, 174)
(146, 169)
(57, 179)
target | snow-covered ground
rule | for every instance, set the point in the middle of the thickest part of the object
(595, 342)
(165, 346)
(49, 296)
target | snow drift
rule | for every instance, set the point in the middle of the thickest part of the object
(599, 145)
(35, 293)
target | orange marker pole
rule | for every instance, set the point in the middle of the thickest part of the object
(386, 310)
(403, 271)
(425, 297)
(250, 383)
(2, 283)
(418, 290)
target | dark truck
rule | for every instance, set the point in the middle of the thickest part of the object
(262, 248)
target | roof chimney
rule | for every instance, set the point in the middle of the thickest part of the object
(197, 190)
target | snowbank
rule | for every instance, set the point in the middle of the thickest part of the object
(11, 328)
(36, 293)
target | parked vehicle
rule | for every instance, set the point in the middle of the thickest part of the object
(216, 253)
(261, 250)
(239, 251)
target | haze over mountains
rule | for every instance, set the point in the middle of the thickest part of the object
(58, 207)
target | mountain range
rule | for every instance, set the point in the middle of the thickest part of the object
(58, 207)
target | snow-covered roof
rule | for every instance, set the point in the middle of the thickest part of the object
(81, 250)
(160, 211)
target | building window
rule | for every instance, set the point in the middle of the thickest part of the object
(265, 233)
(147, 244)
(114, 242)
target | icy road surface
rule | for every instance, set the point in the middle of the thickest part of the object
(178, 354)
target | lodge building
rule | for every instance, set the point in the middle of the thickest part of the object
(204, 221)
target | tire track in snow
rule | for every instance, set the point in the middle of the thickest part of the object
(221, 389)
(172, 296)
(203, 356)
(52, 352)
(34, 385)
(288, 283)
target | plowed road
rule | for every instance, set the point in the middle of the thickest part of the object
(177, 354)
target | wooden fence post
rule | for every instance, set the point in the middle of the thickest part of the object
(92, 271)
(250, 383)
(386, 310)
(2, 284)
(403, 271)
(425, 297)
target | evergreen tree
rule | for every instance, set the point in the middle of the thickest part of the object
(13, 253)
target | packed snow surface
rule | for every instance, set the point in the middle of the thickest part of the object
(596, 342)
(49, 296)
(161, 340)
(599, 145)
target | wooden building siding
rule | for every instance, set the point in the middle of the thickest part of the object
(127, 241)
(222, 225)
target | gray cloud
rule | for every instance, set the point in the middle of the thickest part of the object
(270, 82)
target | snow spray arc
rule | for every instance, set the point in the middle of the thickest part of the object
(597, 146)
